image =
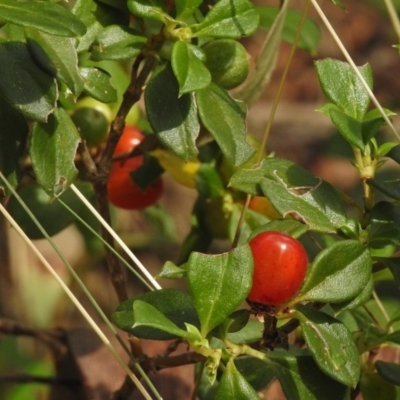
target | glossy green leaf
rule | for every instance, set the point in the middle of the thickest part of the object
(96, 16)
(190, 72)
(63, 64)
(23, 84)
(343, 88)
(338, 273)
(97, 84)
(257, 373)
(224, 118)
(359, 300)
(148, 317)
(176, 306)
(219, 284)
(310, 34)
(294, 192)
(185, 8)
(233, 385)
(389, 371)
(173, 118)
(50, 213)
(228, 19)
(302, 379)
(152, 9)
(331, 345)
(389, 187)
(374, 387)
(13, 133)
(43, 15)
(53, 149)
(117, 43)
(266, 61)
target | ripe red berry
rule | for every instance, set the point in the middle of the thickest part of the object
(280, 265)
(122, 190)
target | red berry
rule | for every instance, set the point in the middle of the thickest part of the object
(280, 265)
(123, 192)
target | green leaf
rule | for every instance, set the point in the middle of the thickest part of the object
(302, 379)
(389, 371)
(97, 84)
(294, 192)
(331, 345)
(185, 8)
(228, 19)
(374, 387)
(23, 84)
(224, 117)
(389, 187)
(233, 385)
(266, 61)
(50, 213)
(171, 271)
(190, 72)
(151, 9)
(117, 43)
(173, 118)
(53, 149)
(343, 88)
(219, 284)
(96, 16)
(148, 317)
(359, 300)
(43, 15)
(310, 34)
(290, 226)
(338, 273)
(45, 49)
(13, 134)
(256, 372)
(394, 153)
(174, 304)
(393, 263)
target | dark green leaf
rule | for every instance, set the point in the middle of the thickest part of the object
(394, 154)
(229, 19)
(49, 212)
(302, 379)
(219, 284)
(338, 273)
(96, 16)
(233, 385)
(190, 72)
(176, 306)
(13, 133)
(97, 84)
(43, 15)
(148, 173)
(224, 117)
(258, 373)
(53, 149)
(310, 34)
(45, 49)
(23, 84)
(393, 264)
(290, 226)
(238, 320)
(117, 43)
(394, 337)
(173, 118)
(389, 187)
(389, 371)
(342, 86)
(148, 317)
(331, 345)
(294, 192)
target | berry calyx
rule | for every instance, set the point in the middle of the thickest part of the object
(280, 266)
